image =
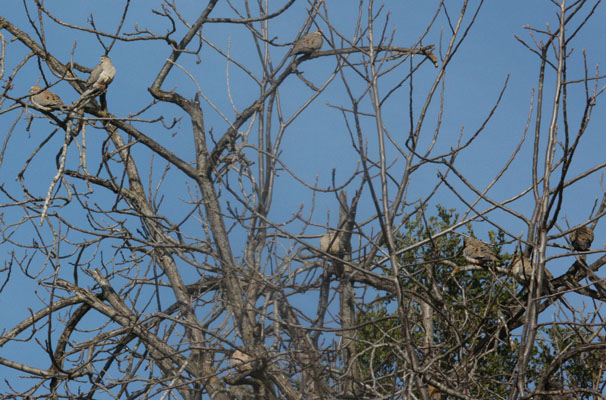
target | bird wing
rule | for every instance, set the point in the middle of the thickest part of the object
(307, 43)
(298, 46)
(107, 75)
(487, 253)
(51, 98)
(479, 250)
(94, 75)
(47, 99)
(582, 238)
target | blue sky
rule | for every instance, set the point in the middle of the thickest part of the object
(318, 141)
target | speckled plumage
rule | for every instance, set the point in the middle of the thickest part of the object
(521, 268)
(581, 238)
(45, 98)
(240, 361)
(478, 252)
(308, 43)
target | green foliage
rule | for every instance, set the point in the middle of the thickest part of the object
(378, 332)
(469, 308)
(582, 370)
(464, 304)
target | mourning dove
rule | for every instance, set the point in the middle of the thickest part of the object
(581, 238)
(102, 75)
(331, 239)
(45, 99)
(477, 252)
(521, 268)
(240, 361)
(308, 43)
(98, 81)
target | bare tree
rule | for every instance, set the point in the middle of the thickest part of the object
(165, 260)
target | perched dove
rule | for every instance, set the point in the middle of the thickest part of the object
(331, 239)
(521, 268)
(477, 252)
(102, 75)
(308, 43)
(240, 361)
(581, 238)
(45, 99)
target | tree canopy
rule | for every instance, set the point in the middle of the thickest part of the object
(302, 200)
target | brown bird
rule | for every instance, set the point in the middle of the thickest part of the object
(581, 238)
(331, 239)
(240, 361)
(308, 43)
(521, 268)
(102, 75)
(478, 252)
(45, 99)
